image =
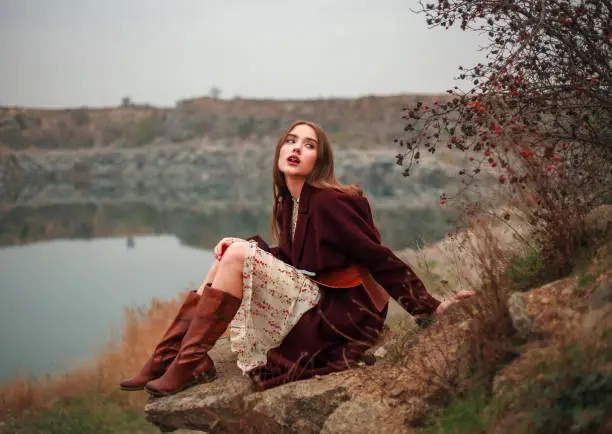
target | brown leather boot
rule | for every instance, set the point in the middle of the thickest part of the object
(192, 365)
(168, 347)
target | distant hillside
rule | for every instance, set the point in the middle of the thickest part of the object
(363, 122)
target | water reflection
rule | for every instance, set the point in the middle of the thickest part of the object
(401, 225)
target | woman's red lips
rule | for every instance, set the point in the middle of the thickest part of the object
(293, 159)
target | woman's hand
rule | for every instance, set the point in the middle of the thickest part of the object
(457, 298)
(222, 246)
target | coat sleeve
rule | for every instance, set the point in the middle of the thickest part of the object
(345, 223)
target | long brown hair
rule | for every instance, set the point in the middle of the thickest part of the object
(322, 175)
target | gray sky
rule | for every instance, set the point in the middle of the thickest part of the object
(63, 53)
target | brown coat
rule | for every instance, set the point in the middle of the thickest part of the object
(335, 230)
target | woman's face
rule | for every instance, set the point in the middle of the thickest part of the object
(298, 155)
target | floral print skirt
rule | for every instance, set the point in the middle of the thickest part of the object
(275, 296)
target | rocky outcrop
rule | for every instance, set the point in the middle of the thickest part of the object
(375, 397)
(522, 322)
(229, 404)
(216, 407)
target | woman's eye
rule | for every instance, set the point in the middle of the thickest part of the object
(290, 141)
(310, 145)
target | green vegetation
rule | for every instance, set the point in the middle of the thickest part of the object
(143, 132)
(83, 415)
(583, 282)
(570, 394)
(574, 393)
(467, 414)
(524, 271)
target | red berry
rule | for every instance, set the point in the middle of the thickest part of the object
(471, 158)
(549, 167)
(487, 153)
(442, 202)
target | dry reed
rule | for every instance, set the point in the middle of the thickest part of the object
(100, 376)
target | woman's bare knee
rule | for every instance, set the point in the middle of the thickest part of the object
(235, 254)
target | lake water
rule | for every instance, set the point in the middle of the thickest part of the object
(62, 300)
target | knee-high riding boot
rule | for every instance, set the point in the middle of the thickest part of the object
(192, 365)
(168, 347)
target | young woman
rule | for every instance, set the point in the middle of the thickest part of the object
(309, 306)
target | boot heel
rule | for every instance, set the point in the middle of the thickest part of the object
(203, 378)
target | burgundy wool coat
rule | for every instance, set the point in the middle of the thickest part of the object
(335, 230)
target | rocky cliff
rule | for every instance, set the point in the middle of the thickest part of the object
(194, 168)
(194, 191)
(362, 122)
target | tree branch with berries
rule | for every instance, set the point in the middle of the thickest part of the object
(537, 112)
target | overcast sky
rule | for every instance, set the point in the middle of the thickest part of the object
(65, 53)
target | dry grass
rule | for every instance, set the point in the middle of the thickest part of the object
(424, 370)
(460, 359)
(101, 376)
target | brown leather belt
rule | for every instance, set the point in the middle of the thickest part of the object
(351, 276)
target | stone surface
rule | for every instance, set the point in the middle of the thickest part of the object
(372, 398)
(601, 296)
(521, 321)
(366, 415)
(213, 407)
(300, 407)
(600, 302)
(230, 404)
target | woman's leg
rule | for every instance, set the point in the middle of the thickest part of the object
(230, 278)
(209, 277)
(228, 275)
(218, 304)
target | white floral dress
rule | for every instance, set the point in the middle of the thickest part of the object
(275, 296)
